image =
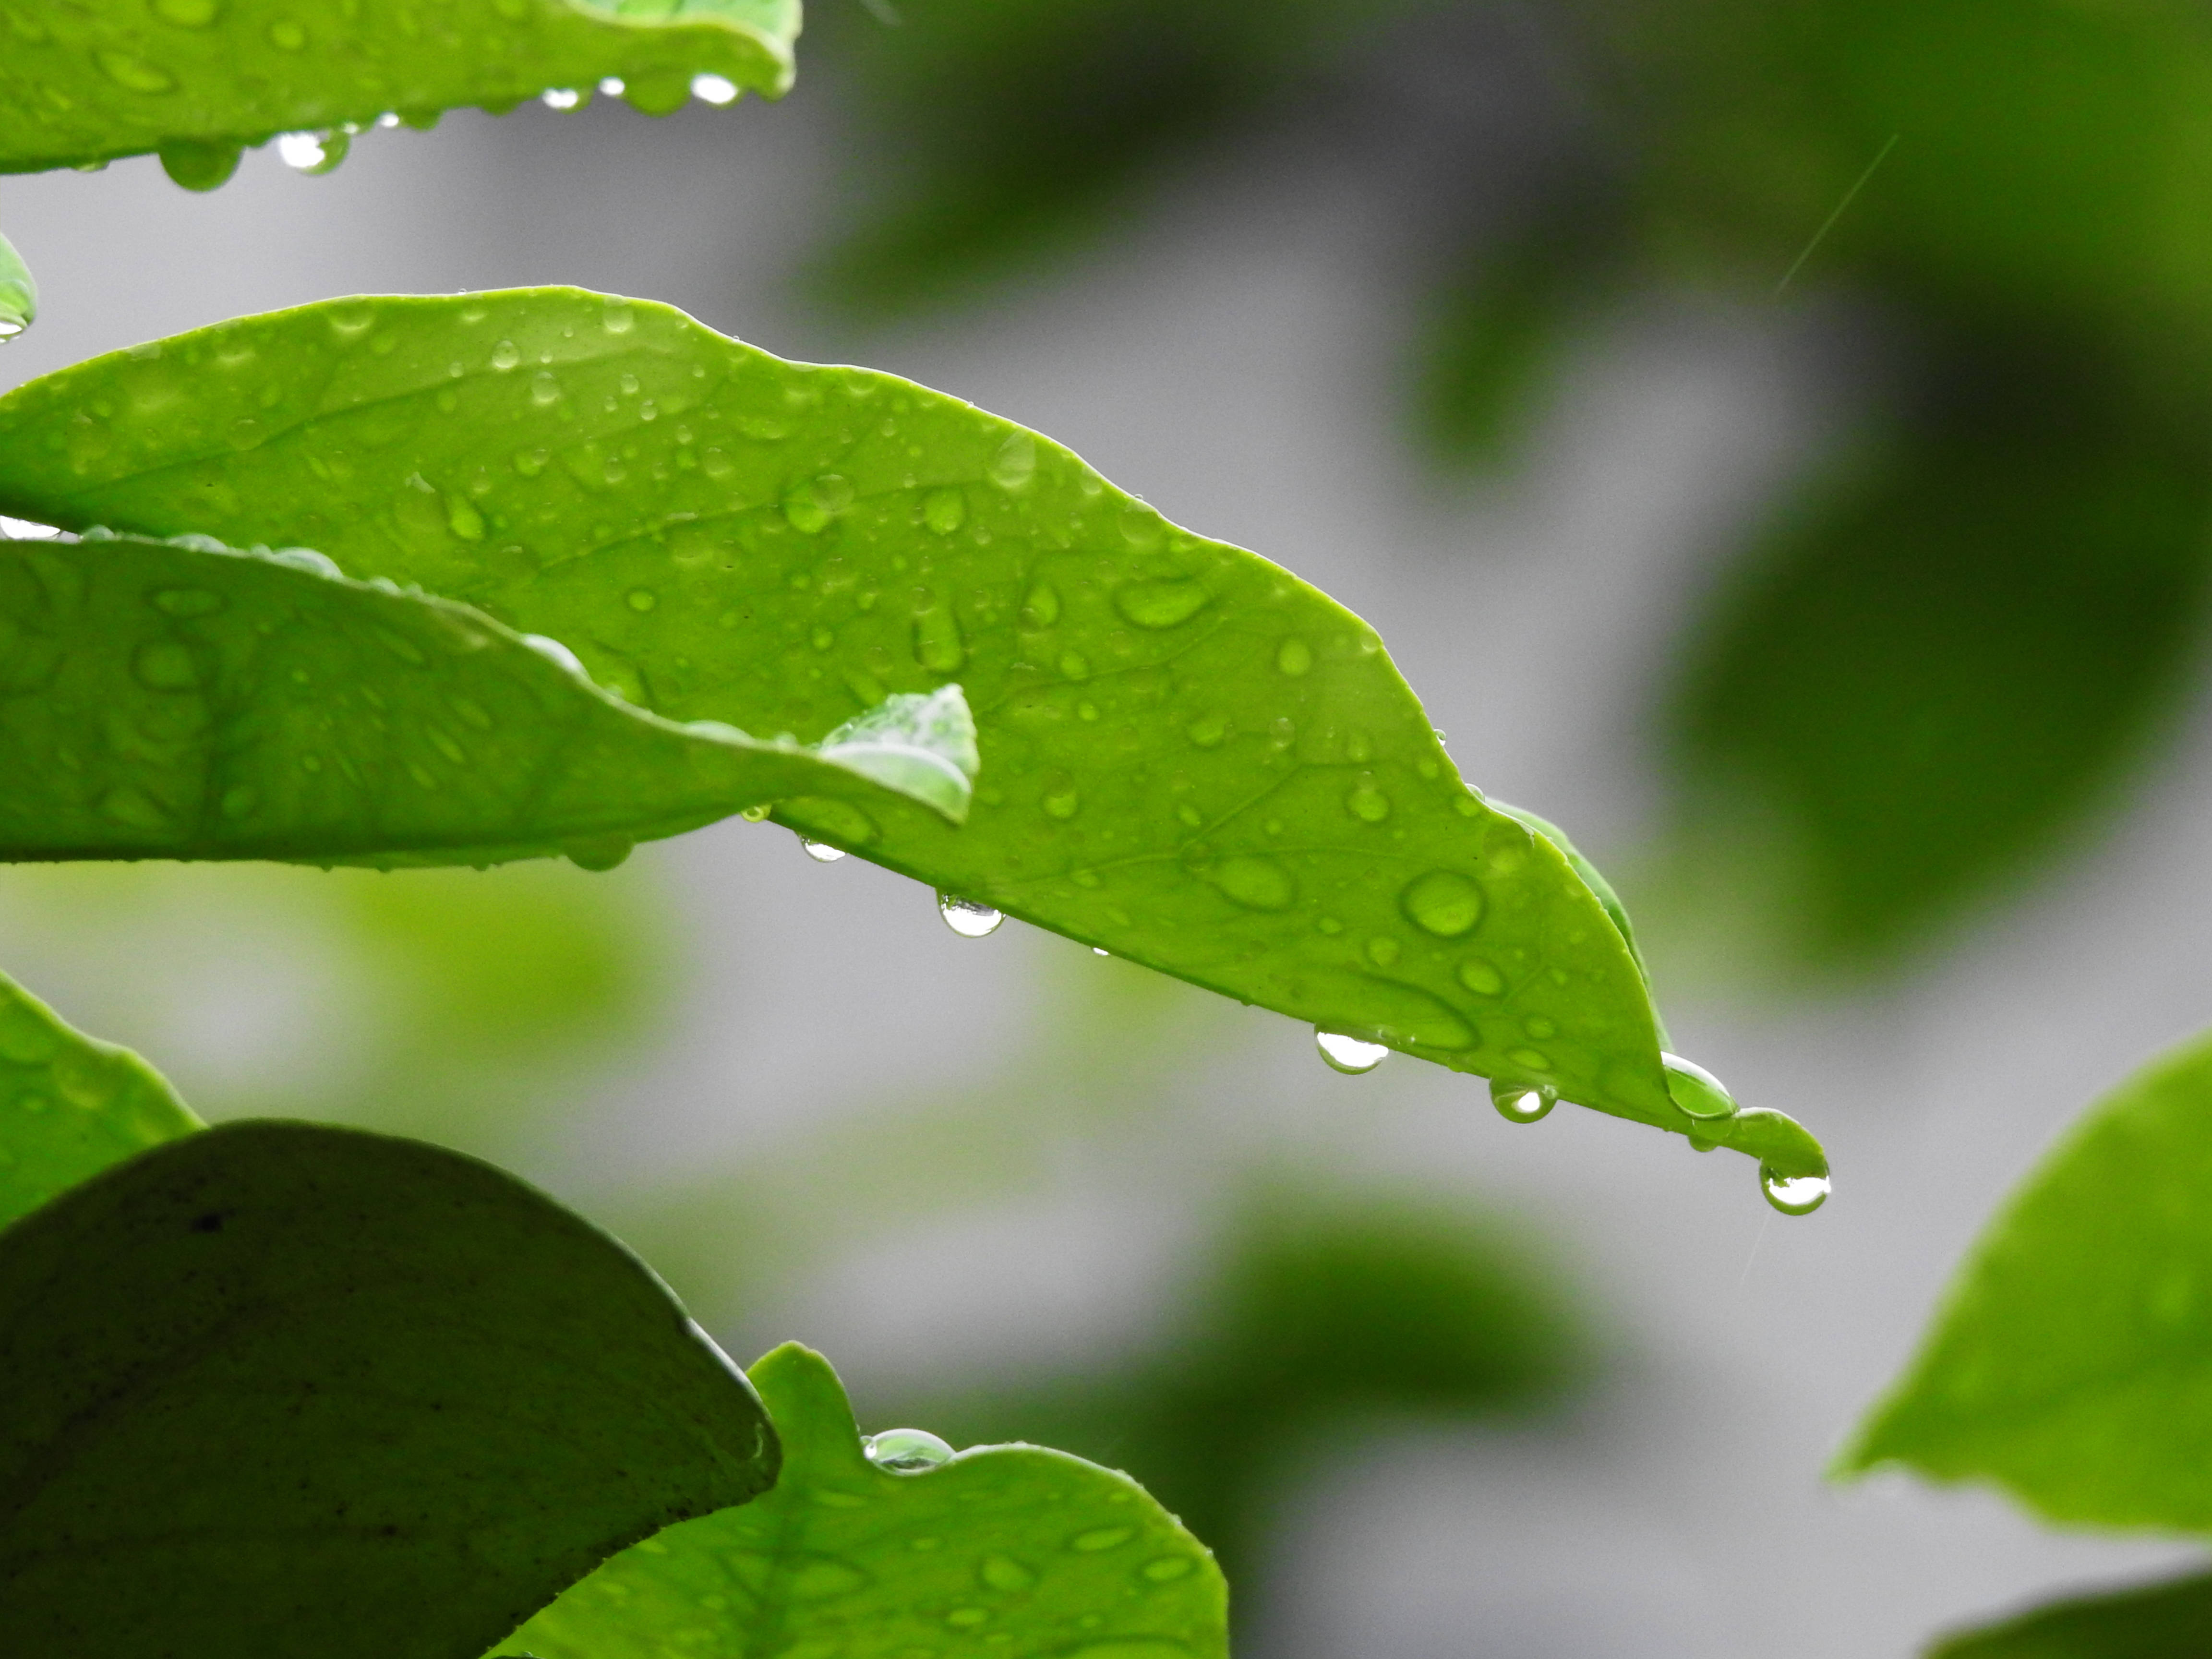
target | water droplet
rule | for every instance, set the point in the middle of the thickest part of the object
(1015, 463)
(597, 852)
(306, 559)
(615, 314)
(642, 600)
(1694, 1089)
(819, 1579)
(1523, 1102)
(164, 665)
(1383, 950)
(286, 35)
(1168, 1568)
(553, 651)
(196, 165)
(757, 814)
(907, 1452)
(820, 851)
(1349, 1054)
(1794, 1194)
(1208, 731)
(312, 152)
(187, 14)
(1535, 1058)
(1161, 604)
(1295, 658)
(544, 389)
(134, 74)
(713, 89)
(966, 917)
(187, 602)
(612, 86)
(560, 97)
(1074, 665)
(1443, 903)
(1041, 608)
(1060, 799)
(937, 645)
(1003, 1572)
(1367, 803)
(1255, 882)
(505, 355)
(945, 510)
(1100, 1538)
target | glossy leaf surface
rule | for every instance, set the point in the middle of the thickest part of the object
(1004, 1548)
(2073, 1359)
(71, 1106)
(198, 79)
(276, 1383)
(159, 701)
(2159, 1621)
(1190, 757)
(19, 294)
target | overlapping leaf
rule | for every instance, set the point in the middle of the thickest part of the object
(1189, 758)
(2158, 1621)
(19, 294)
(190, 701)
(2072, 1363)
(1010, 1549)
(274, 1384)
(198, 79)
(70, 1105)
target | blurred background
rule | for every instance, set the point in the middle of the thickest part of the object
(1774, 442)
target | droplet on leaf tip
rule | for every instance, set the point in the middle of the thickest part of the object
(1523, 1102)
(1350, 1054)
(967, 917)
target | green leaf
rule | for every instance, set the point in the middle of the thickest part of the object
(197, 80)
(164, 700)
(2072, 1361)
(71, 1106)
(1190, 758)
(277, 1384)
(19, 294)
(2157, 1621)
(1018, 1547)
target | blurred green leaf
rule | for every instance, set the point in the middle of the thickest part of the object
(198, 80)
(1194, 760)
(192, 702)
(1938, 672)
(1016, 1546)
(274, 1379)
(19, 294)
(2157, 1621)
(71, 1106)
(2071, 1361)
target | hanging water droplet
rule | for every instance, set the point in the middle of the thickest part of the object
(312, 152)
(1523, 1102)
(966, 917)
(612, 86)
(906, 1451)
(820, 851)
(713, 89)
(561, 98)
(1349, 1054)
(1794, 1194)
(1695, 1089)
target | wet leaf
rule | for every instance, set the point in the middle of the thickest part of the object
(2157, 1621)
(159, 701)
(197, 80)
(2071, 1361)
(71, 1106)
(19, 294)
(1190, 757)
(277, 1378)
(1014, 1546)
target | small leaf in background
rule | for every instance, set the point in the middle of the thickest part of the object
(71, 1106)
(199, 80)
(2072, 1357)
(19, 294)
(1189, 758)
(2157, 1621)
(205, 703)
(896, 1544)
(1934, 677)
(276, 1386)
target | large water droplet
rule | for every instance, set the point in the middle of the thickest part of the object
(1793, 1194)
(1349, 1054)
(1695, 1089)
(1523, 1102)
(1367, 803)
(821, 851)
(713, 89)
(199, 165)
(597, 852)
(1295, 658)
(1160, 604)
(907, 1451)
(312, 152)
(505, 355)
(966, 917)
(1257, 883)
(1443, 903)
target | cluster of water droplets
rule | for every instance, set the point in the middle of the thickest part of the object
(707, 88)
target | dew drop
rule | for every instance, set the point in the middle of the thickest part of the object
(1295, 658)
(1695, 1089)
(505, 355)
(134, 74)
(1041, 608)
(1003, 1572)
(1367, 803)
(196, 164)
(820, 851)
(1255, 882)
(597, 852)
(1208, 731)
(966, 917)
(1168, 1568)
(560, 97)
(1060, 799)
(1481, 978)
(312, 152)
(1015, 463)
(1100, 1538)
(945, 510)
(1523, 1102)
(642, 599)
(1161, 604)
(937, 645)
(907, 1452)
(1794, 1194)
(612, 86)
(1443, 903)
(544, 389)
(286, 35)
(713, 89)
(1349, 1054)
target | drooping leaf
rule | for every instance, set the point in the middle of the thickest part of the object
(71, 1106)
(159, 701)
(2072, 1361)
(2155, 1621)
(197, 80)
(1190, 758)
(19, 294)
(1011, 1547)
(276, 1385)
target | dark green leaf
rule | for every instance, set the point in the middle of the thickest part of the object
(1191, 758)
(2158, 1621)
(190, 701)
(198, 79)
(1004, 1546)
(69, 1106)
(2072, 1357)
(276, 1388)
